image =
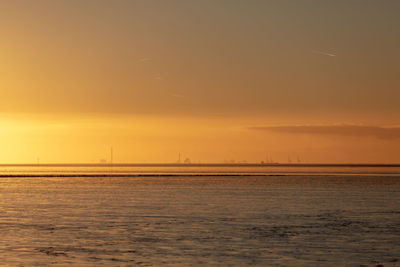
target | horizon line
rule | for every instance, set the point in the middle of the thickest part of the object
(200, 164)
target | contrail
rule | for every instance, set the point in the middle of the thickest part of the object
(145, 59)
(178, 95)
(323, 53)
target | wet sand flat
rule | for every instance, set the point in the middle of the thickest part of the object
(209, 220)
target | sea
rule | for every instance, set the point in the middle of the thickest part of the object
(199, 215)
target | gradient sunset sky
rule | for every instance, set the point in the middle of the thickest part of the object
(213, 80)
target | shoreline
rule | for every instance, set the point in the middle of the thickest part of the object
(350, 165)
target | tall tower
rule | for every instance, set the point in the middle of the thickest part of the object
(112, 155)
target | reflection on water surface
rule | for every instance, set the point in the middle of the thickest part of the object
(184, 220)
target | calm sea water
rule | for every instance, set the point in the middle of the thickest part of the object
(336, 217)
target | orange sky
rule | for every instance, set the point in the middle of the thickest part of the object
(214, 80)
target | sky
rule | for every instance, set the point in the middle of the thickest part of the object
(213, 80)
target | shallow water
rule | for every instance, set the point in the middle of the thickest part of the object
(193, 169)
(340, 220)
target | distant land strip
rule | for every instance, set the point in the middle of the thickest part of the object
(188, 175)
(130, 175)
(377, 165)
(166, 175)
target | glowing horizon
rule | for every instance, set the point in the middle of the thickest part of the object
(215, 81)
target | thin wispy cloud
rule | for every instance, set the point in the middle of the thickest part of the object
(323, 53)
(144, 59)
(177, 95)
(339, 130)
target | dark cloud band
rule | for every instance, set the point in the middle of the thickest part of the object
(342, 130)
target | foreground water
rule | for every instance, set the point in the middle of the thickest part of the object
(310, 220)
